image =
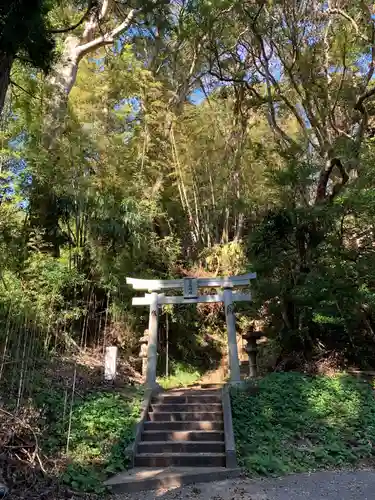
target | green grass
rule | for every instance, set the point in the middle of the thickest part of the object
(298, 423)
(182, 376)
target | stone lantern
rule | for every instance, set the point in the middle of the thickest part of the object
(251, 348)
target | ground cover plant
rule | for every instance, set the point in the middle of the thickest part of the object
(292, 422)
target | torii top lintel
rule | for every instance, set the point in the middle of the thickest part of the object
(157, 285)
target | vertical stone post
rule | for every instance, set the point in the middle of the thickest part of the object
(152, 342)
(143, 352)
(110, 363)
(251, 348)
(234, 365)
(252, 351)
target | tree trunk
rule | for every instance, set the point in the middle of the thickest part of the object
(5, 68)
(44, 207)
(60, 83)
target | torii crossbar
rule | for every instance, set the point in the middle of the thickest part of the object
(190, 287)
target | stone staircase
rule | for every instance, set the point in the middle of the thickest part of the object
(185, 428)
(182, 442)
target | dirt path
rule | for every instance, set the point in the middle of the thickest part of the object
(356, 485)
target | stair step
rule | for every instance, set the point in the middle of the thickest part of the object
(200, 387)
(186, 399)
(187, 407)
(205, 387)
(180, 460)
(147, 447)
(168, 426)
(182, 436)
(135, 480)
(185, 416)
(189, 392)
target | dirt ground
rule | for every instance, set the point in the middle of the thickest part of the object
(345, 485)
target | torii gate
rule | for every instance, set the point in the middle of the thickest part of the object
(190, 287)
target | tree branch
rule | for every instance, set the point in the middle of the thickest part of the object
(344, 179)
(92, 4)
(104, 9)
(221, 77)
(21, 88)
(264, 61)
(342, 78)
(94, 22)
(348, 18)
(305, 103)
(107, 38)
(360, 104)
(370, 72)
(321, 192)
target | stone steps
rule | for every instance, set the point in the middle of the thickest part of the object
(175, 449)
(190, 416)
(182, 441)
(180, 460)
(191, 392)
(205, 436)
(184, 425)
(186, 407)
(148, 478)
(190, 399)
(181, 447)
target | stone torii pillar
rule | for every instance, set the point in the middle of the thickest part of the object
(152, 351)
(234, 364)
(144, 352)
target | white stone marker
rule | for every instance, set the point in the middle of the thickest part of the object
(110, 363)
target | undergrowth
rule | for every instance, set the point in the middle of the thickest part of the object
(92, 438)
(295, 423)
(182, 376)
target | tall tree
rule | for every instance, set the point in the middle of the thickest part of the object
(313, 60)
(107, 25)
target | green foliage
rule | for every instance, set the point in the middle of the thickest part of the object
(182, 375)
(288, 422)
(226, 260)
(314, 266)
(50, 297)
(23, 31)
(195, 336)
(102, 427)
(92, 435)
